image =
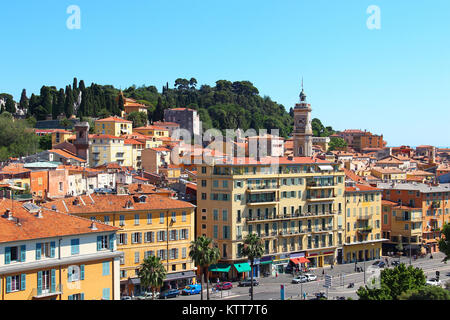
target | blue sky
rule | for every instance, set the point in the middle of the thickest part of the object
(394, 81)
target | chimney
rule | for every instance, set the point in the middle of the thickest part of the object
(39, 214)
(93, 226)
(9, 215)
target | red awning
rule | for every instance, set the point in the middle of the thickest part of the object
(300, 260)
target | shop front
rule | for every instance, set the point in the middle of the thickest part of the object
(266, 265)
(219, 272)
(279, 264)
(299, 262)
(243, 270)
(179, 280)
(320, 259)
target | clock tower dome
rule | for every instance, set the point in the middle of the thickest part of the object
(302, 128)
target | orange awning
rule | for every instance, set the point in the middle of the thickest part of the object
(300, 260)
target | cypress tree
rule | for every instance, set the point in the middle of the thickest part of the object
(10, 106)
(68, 104)
(23, 104)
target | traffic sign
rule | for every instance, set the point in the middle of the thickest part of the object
(328, 280)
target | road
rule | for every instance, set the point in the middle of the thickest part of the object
(269, 288)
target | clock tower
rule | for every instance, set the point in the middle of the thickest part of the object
(302, 127)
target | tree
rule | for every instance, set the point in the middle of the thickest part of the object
(103, 113)
(158, 115)
(16, 138)
(23, 104)
(10, 105)
(337, 144)
(68, 104)
(66, 123)
(203, 255)
(253, 249)
(393, 283)
(426, 293)
(139, 119)
(45, 142)
(444, 242)
(152, 274)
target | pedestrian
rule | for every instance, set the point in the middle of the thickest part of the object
(304, 295)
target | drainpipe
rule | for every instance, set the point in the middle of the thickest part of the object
(59, 257)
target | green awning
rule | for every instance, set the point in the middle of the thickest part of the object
(221, 267)
(266, 262)
(243, 267)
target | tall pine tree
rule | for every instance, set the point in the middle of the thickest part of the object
(23, 104)
(68, 104)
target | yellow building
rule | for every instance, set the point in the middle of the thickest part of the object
(60, 136)
(113, 126)
(136, 152)
(363, 238)
(105, 149)
(150, 225)
(46, 255)
(294, 204)
(153, 131)
(389, 174)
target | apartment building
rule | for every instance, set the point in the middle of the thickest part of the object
(363, 238)
(113, 126)
(47, 255)
(295, 205)
(149, 225)
(410, 198)
(105, 148)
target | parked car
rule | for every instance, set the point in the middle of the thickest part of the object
(379, 264)
(248, 283)
(434, 282)
(310, 276)
(191, 289)
(224, 286)
(300, 279)
(172, 293)
(126, 298)
(148, 296)
(395, 263)
(320, 296)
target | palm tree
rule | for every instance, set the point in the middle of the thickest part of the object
(152, 273)
(203, 256)
(253, 249)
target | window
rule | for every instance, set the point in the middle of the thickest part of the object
(161, 217)
(203, 170)
(102, 243)
(204, 196)
(78, 296)
(122, 239)
(149, 236)
(203, 183)
(216, 215)
(149, 218)
(106, 219)
(215, 183)
(105, 271)
(225, 215)
(122, 220)
(61, 187)
(183, 216)
(136, 257)
(183, 253)
(225, 232)
(136, 237)
(15, 283)
(123, 273)
(216, 231)
(174, 216)
(105, 295)
(136, 219)
(75, 246)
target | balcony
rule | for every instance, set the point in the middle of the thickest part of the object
(364, 217)
(41, 294)
(268, 188)
(317, 185)
(259, 202)
(320, 198)
(367, 229)
(414, 219)
(23, 197)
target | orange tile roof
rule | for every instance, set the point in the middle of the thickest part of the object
(144, 188)
(140, 178)
(132, 141)
(113, 119)
(116, 203)
(104, 136)
(150, 127)
(353, 176)
(52, 224)
(390, 160)
(270, 160)
(66, 154)
(160, 149)
(361, 188)
(169, 124)
(388, 202)
(181, 109)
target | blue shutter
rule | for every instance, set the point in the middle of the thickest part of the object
(82, 296)
(70, 297)
(23, 251)
(99, 243)
(112, 237)
(52, 249)
(69, 274)
(187, 234)
(39, 283)
(82, 272)
(7, 255)
(8, 284)
(106, 294)
(38, 251)
(53, 281)
(23, 282)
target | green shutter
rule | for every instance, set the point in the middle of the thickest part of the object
(53, 280)
(23, 251)
(7, 255)
(8, 284)
(82, 296)
(112, 237)
(52, 249)
(70, 297)
(38, 251)
(82, 272)
(99, 243)
(23, 282)
(39, 282)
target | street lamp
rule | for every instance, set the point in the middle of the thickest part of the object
(365, 264)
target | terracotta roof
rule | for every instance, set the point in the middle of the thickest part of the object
(52, 224)
(160, 149)
(181, 109)
(353, 176)
(104, 136)
(66, 154)
(138, 188)
(387, 170)
(113, 119)
(169, 124)
(360, 187)
(140, 178)
(132, 141)
(390, 160)
(150, 128)
(388, 202)
(270, 160)
(116, 203)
